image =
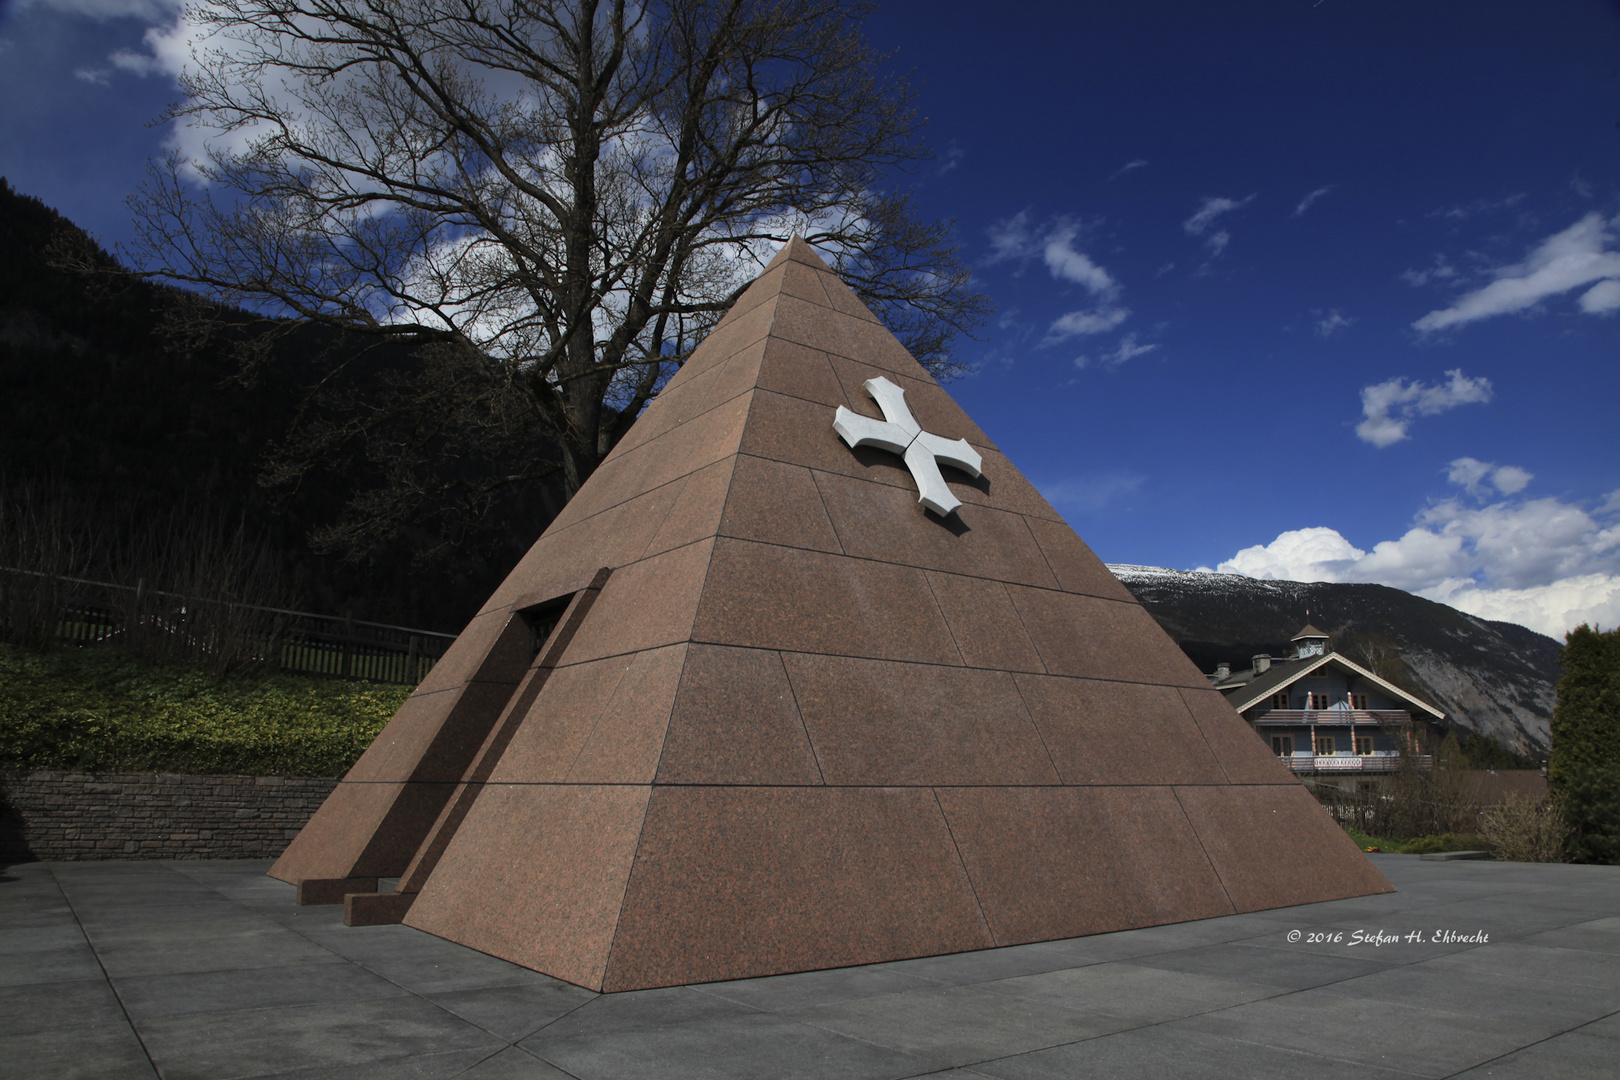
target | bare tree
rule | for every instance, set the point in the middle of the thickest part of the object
(547, 202)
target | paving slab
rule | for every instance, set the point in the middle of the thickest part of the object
(209, 970)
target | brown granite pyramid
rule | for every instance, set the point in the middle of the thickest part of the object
(747, 708)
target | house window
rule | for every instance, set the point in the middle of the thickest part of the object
(1324, 746)
(1279, 701)
(1358, 701)
(1364, 745)
(1282, 745)
(1317, 701)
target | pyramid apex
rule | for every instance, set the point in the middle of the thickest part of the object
(797, 249)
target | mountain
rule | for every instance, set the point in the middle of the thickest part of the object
(1493, 679)
(101, 408)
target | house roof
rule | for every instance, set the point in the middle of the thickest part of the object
(1287, 672)
(1309, 632)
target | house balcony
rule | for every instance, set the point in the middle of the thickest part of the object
(1332, 717)
(1380, 762)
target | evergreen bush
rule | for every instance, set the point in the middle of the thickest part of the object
(91, 711)
(1584, 770)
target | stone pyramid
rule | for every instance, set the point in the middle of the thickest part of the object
(747, 708)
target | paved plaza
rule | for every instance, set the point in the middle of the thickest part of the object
(206, 971)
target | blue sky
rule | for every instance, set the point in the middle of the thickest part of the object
(1328, 291)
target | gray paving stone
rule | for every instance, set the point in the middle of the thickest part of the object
(65, 964)
(734, 1046)
(1133, 993)
(1596, 969)
(167, 954)
(1608, 1027)
(148, 997)
(1388, 1035)
(430, 1066)
(513, 1064)
(959, 1025)
(45, 937)
(200, 1047)
(1564, 1057)
(514, 1012)
(106, 1051)
(52, 1006)
(985, 965)
(1267, 966)
(432, 970)
(1168, 1050)
(1454, 985)
(785, 993)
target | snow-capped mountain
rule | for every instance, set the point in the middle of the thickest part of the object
(1495, 678)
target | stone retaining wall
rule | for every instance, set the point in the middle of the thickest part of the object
(54, 815)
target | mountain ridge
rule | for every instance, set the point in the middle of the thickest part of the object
(1494, 679)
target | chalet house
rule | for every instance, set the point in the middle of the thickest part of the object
(1332, 720)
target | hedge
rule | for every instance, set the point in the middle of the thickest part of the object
(93, 711)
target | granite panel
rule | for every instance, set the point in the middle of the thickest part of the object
(875, 521)
(645, 605)
(400, 746)
(770, 597)
(1101, 639)
(1076, 568)
(551, 734)
(625, 744)
(321, 891)
(535, 875)
(1274, 846)
(930, 405)
(800, 371)
(487, 649)
(439, 735)
(844, 300)
(331, 843)
(735, 721)
(833, 331)
(736, 882)
(684, 449)
(1102, 732)
(1060, 862)
(983, 622)
(375, 909)
(1243, 754)
(696, 513)
(776, 503)
(409, 820)
(878, 723)
(732, 335)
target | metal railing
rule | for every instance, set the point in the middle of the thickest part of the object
(1362, 763)
(99, 614)
(1329, 717)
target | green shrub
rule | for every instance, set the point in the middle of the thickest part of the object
(92, 711)
(1429, 845)
(1526, 830)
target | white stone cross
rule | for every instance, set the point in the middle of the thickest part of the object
(899, 434)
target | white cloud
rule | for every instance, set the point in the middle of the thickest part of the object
(1139, 163)
(952, 158)
(1128, 349)
(1464, 211)
(1077, 323)
(1090, 493)
(1440, 271)
(149, 11)
(1580, 255)
(1601, 298)
(1069, 264)
(1211, 208)
(1011, 238)
(1388, 408)
(1305, 203)
(1542, 563)
(1473, 476)
(1334, 321)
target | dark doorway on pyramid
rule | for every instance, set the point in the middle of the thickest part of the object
(748, 708)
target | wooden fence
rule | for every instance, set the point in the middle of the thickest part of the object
(98, 614)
